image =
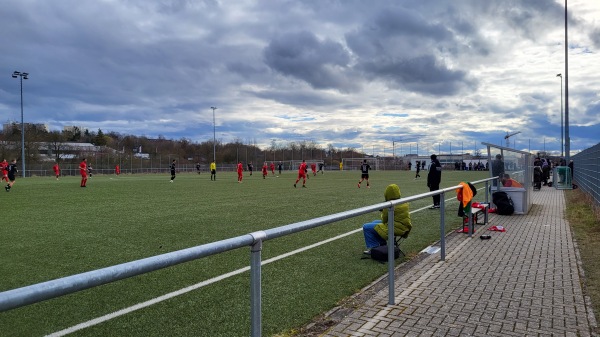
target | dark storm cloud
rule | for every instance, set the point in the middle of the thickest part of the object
(531, 18)
(423, 74)
(401, 47)
(303, 56)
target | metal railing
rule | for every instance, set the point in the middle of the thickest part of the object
(586, 171)
(20, 297)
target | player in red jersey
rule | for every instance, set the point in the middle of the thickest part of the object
(313, 168)
(265, 170)
(4, 169)
(302, 174)
(83, 171)
(272, 167)
(240, 170)
(56, 170)
(117, 169)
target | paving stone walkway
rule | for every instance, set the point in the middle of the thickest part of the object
(522, 282)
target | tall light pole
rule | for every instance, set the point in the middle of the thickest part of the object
(567, 138)
(561, 118)
(214, 136)
(394, 152)
(23, 76)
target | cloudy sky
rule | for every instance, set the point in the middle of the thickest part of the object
(434, 74)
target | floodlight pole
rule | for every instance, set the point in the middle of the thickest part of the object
(567, 139)
(23, 76)
(214, 136)
(561, 118)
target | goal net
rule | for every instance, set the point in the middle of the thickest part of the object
(295, 164)
(350, 164)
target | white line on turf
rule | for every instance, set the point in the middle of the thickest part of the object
(182, 291)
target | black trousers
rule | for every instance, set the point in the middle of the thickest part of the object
(436, 198)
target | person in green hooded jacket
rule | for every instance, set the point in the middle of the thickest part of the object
(376, 232)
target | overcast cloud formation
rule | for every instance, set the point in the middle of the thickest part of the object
(362, 74)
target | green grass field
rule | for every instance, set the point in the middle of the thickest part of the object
(52, 229)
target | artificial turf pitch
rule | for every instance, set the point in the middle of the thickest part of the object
(51, 229)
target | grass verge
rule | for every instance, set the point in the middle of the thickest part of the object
(585, 222)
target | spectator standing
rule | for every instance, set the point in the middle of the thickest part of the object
(497, 168)
(434, 178)
(545, 171)
(571, 166)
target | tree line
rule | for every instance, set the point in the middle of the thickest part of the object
(42, 146)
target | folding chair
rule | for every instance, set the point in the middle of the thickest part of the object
(399, 239)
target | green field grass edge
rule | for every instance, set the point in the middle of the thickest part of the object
(584, 219)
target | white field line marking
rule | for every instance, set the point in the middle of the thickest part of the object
(182, 291)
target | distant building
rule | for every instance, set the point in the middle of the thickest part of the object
(73, 128)
(9, 126)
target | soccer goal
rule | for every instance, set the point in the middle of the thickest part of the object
(295, 164)
(354, 163)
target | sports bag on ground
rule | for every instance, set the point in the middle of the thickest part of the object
(504, 204)
(381, 253)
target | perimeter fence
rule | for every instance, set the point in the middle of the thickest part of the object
(586, 171)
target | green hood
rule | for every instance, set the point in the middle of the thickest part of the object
(392, 192)
(402, 223)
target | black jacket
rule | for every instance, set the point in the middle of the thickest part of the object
(434, 177)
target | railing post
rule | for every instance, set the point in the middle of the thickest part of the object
(442, 226)
(487, 191)
(470, 222)
(255, 284)
(391, 263)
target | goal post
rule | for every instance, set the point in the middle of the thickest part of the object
(350, 164)
(295, 164)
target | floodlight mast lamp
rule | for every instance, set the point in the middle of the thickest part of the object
(214, 136)
(23, 76)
